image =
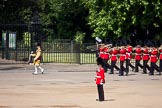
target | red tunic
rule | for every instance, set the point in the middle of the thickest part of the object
(104, 53)
(122, 54)
(154, 53)
(146, 54)
(101, 54)
(100, 76)
(129, 52)
(138, 54)
(160, 54)
(114, 53)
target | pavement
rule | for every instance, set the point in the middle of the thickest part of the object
(73, 86)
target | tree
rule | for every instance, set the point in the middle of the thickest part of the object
(65, 17)
(104, 18)
(116, 18)
(13, 11)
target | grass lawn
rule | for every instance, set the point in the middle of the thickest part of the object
(69, 57)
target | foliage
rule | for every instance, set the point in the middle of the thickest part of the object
(117, 18)
(79, 37)
(103, 18)
(65, 17)
(13, 11)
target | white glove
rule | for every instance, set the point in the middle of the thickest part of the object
(35, 59)
(101, 83)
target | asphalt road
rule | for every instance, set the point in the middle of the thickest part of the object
(73, 86)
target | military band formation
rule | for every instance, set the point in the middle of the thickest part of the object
(125, 54)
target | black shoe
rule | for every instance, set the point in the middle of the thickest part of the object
(126, 74)
(121, 75)
(99, 100)
(144, 73)
(151, 74)
(111, 73)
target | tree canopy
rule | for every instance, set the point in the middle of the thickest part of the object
(84, 19)
(119, 18)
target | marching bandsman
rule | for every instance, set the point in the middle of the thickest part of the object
(138, 57)
(122, 60)
(37, 58)
(114, 52)
(100, 79)
(129, 50)
(104, 54)
(98, 45)
(145, 58)
(160, 58)
(98, 50)
(153, 61)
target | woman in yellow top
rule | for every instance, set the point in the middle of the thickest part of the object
(37, 59)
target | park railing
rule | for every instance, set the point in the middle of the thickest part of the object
(68, 53)
(53, 52)
(18, 40)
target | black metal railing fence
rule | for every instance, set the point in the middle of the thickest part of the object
(18, 40)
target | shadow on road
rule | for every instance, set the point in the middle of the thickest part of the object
(10, 68)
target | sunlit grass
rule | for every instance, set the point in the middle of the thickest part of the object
(69, 57)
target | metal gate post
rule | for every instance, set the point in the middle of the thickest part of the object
(78, 54)
(16, 56)
(7, 46)
(3, 53)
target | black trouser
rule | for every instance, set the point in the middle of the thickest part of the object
(97, 53)
(122, 68)
(145, 66)
(154, 67)
(160, 65)
(128, 63)
(106, 65)
(100, 92)
(113, 65)
(137, 64)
